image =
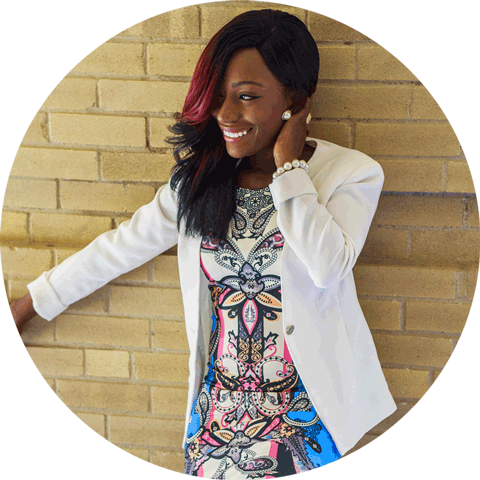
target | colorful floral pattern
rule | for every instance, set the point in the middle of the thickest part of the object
(253, 417)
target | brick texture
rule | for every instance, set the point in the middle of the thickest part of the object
(56, 163)
(141, 167)
(96, 151)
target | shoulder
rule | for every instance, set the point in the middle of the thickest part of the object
(341, 162)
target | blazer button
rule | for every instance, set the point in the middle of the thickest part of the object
(290, 329)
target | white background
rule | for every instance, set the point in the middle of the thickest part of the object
(42, 42)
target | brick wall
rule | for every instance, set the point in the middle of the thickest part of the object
(95, 152)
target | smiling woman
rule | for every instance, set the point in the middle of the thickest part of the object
(269, 222)
(284, 375)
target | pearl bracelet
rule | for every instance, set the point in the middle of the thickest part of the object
(289, 166)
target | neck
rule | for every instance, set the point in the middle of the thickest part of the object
(262, 162)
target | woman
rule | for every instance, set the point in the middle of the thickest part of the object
(284, 375)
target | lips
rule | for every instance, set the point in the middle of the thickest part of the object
(231, 135)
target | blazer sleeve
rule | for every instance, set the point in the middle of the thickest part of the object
(151, 231)
(328, 238)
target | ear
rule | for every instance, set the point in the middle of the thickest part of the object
(299, 103)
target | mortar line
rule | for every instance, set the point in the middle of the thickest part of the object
(99, 165)
(107, 426)
(402, 316)
(409, 102)
(443, 180)
(200, 19)
(97, 94)
(146, 58)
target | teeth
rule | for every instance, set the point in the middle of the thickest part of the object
(235, 135)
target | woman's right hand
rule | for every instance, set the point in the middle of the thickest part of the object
(22, 311)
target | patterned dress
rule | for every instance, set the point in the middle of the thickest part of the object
(252, 417)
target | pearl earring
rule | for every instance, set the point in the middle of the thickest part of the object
(286, 115)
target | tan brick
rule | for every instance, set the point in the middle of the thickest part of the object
(169, 335)
(119, 58)
(56, 163)
(361, 101)
(424, 106)
(73, 93)
(103, 330)
(142, 167)
(422, 210)
(381, 314)
(94, 303)
(471, 209)
(63, 228)
(50, 382)
(216, 15)
(459, 178)
(404, 175)
(436, 373)
(170, 460)
(38, 130)
(139, 274)
(324, 28)
(405, 281)
(365, 440)
(137, 452)
(336, 63)
(179, 23)
(413, 350)
(147, 301)
(402, 409)
(376, 63)
(159, 129)
(95, 421)
(57, 361)
(419, 139)
(98, 129)
(436, 316)
(62, 254)
(105, 197)
(18, 289)
(406, 383)
(446, 248)
(38, 330)
(385, 246)
(14, 226)
(157, 432)
(28, 193)
(141, 96)
(471, 283)
(107, 363)
(173, 60)
(25, 261)
(333, 131)
(167, 367)
(169, 400)
(109, 396)
(166, 270)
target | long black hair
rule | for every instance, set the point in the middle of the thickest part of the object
(205, 176)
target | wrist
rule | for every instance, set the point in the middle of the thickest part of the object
(287, 166)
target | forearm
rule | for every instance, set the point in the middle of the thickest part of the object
(22, 311)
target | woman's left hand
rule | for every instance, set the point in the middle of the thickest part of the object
(291, 139)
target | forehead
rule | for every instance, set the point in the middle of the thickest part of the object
(248, 65)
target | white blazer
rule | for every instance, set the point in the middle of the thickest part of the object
(324, 215)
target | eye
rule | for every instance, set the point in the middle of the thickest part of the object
(245, 96)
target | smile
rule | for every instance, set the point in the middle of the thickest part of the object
(234, 136)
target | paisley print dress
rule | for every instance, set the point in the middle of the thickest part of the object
(252, 417)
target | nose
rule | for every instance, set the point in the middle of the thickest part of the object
(228, 112)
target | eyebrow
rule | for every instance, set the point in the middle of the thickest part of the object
(247, 82)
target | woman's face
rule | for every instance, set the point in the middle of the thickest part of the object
(251, 100)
